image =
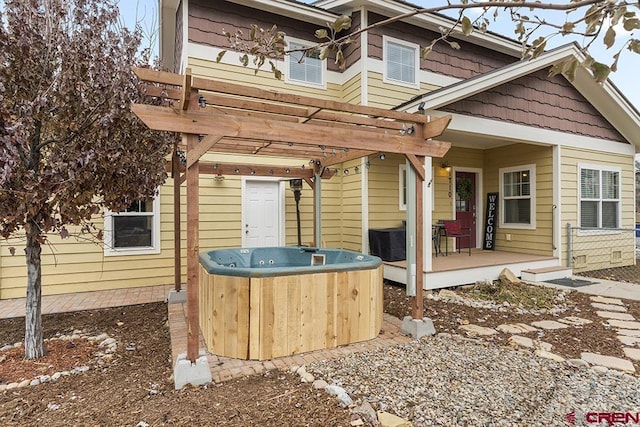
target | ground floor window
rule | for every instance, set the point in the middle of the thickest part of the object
(599, 197)
(135, 230)
(518, 196)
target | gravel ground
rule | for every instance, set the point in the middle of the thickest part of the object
(449, 380)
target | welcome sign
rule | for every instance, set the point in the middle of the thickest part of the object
(490, 221)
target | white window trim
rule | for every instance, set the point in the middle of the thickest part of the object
(287, 62)
(385, 51)
(532, 187)
(109, 250)
(600, 168)
(402, 176)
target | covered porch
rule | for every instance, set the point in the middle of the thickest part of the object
(461, 269)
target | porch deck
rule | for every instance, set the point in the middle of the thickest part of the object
(460, 268)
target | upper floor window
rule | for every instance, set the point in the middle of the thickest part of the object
(518, 207)
(599, 197)
(134, 231)
(304, 66)
(401, 62)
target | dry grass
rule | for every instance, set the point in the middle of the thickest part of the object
(519, 295)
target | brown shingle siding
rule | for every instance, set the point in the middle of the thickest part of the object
(177, 47)
(467, 62)
(208, 20)
(540, 101)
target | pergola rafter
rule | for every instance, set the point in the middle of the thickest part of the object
(316, 134)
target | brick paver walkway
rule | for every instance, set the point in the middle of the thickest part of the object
(87, 300)
(226, 368)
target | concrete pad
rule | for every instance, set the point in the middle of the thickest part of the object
(629, 332)
(475, 330)
(608, 361)
(605, 300)
(609, 307)
(624, 324)
(631, 341)
(632, 353)
(549, 324)
(613, 315)
(529, 343)
(196, 374)
(177, 297)
(548, 355)
(574, 321)
(417, 328)
(515, 328)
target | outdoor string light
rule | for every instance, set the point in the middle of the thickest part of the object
(202, 102)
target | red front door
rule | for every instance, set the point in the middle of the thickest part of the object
(466, 205)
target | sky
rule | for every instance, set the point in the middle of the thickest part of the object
(146, 12)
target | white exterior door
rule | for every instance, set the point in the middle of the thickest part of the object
(261, 213)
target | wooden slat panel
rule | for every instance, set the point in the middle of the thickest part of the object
(293, 316)
(266, 318)
(255, 295)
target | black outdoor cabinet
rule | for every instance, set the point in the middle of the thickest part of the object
(388, 243)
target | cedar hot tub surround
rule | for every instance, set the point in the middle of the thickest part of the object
(263, 303)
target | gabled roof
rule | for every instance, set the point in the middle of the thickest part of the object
(605, 97)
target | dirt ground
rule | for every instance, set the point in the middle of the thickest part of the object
(137, 386)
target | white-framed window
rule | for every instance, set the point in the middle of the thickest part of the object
(401, 62)
(135, 231)
(402, 187)
(304, 67)
(518, 197)
(599, 195)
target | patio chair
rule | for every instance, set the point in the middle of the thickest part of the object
(453, 229)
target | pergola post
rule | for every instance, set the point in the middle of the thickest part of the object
(177, 262)
(418, 305)
(317, 209)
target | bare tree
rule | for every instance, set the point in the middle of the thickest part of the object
(593, 21)
(70, 145)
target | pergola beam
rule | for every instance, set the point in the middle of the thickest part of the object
(196, 122)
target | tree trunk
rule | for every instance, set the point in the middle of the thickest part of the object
(33, 342)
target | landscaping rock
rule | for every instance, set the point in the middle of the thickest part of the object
(24, 383)
(630, 341)
(632, 353)
(605, 300)
(516, 328)
(624, 324)
(577, 363)
(366, 411)
(529, 343)
(475, 330)
(507, 277)
(320, 384)
(629, 332)
(548, 355)
(615, 315)
(574, 321)
(389, 420)
(608, 362)
(549, 324)
(609, 307)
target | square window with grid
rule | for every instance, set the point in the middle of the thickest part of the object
(305, 66)
(599, 198)
(400, 62)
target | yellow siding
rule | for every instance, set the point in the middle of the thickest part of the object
(597, 251)
(351, 91)
(352, 207)
(539, 240)
(386, 95)
(384, 192)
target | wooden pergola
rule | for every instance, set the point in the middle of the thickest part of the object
(221, 117)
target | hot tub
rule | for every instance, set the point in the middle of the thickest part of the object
(263, 303)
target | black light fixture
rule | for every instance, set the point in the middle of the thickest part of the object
(200, 138)
(296, 187)
(421, 106)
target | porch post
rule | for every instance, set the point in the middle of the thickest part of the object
(411, 230)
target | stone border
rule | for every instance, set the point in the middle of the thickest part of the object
(109, 344)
